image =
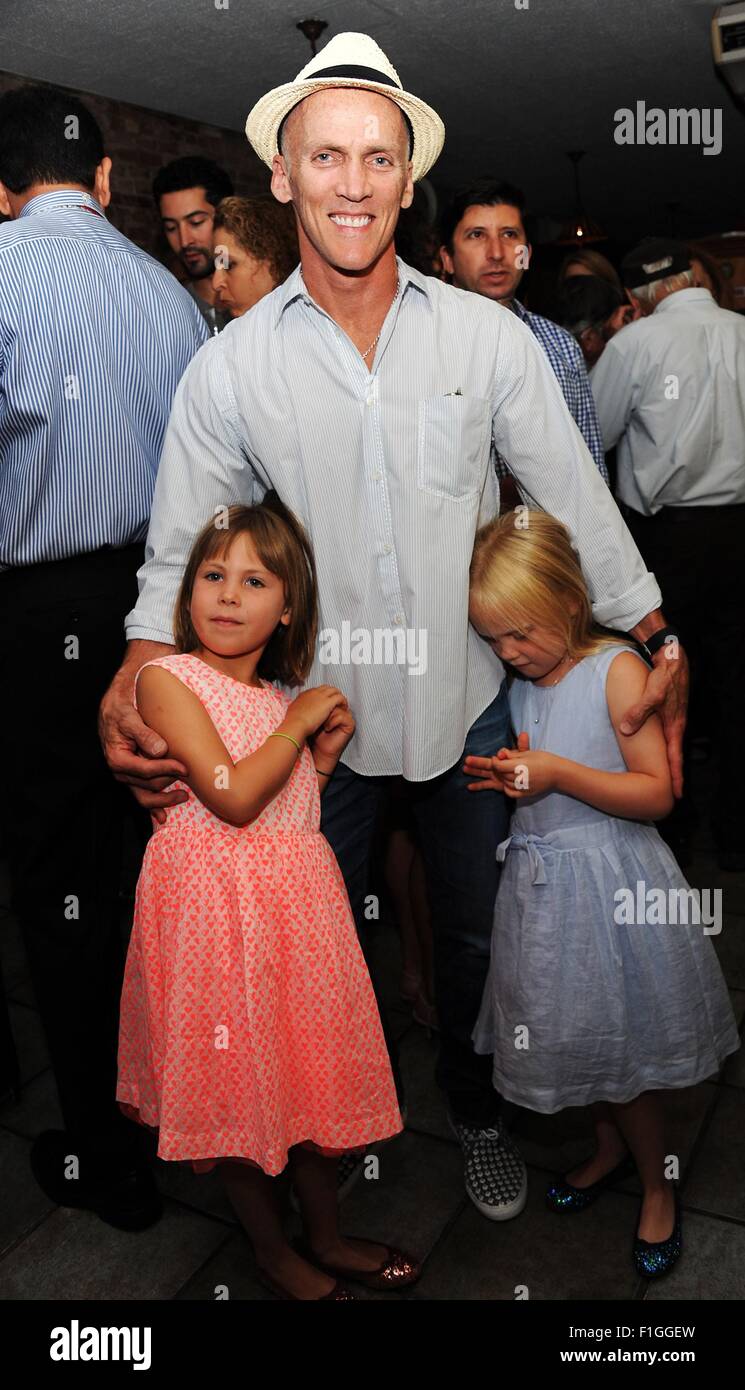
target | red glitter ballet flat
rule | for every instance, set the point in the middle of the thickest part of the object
(397, 1271)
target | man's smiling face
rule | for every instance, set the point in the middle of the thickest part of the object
(346, 169)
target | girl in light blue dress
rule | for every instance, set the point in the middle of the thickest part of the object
(604, 988)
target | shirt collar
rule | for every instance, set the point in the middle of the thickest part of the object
(521, 311)
(695, 295)
(294, 286)
(59, 199)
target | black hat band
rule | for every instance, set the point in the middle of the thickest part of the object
(364, 75)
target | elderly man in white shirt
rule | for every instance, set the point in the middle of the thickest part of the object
(670, 391)
(367, 396)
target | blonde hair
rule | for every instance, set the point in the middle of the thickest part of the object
(525, 568)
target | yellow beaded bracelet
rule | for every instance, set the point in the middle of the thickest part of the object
(289, 738)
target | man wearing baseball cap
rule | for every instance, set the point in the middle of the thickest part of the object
(367, 395)
(670, 390)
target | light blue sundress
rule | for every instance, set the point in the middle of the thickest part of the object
(581, 1005)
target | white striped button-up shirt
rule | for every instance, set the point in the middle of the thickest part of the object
(389, 470)
(94, 336)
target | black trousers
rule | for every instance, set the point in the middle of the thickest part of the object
(458, 835)
(698, 557)
(63, 639)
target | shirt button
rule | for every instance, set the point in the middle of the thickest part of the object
(376, 477)
(387, 549)
(398, 619)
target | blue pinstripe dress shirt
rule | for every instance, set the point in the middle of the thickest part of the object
(94, 336)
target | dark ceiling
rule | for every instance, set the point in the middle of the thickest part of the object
(517, 84)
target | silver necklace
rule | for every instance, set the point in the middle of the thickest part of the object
(550, 686)
(376, 339)
(559, 678)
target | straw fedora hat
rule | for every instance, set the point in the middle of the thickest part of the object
(348, 60)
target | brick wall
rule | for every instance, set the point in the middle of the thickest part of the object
(140, 141)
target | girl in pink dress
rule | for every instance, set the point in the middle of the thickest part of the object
(250, 1035)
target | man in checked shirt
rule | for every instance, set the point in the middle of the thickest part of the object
(367, 395)
(485, 250)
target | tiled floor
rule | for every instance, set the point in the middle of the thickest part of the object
(197, 1251)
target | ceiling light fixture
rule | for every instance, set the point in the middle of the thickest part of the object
(312, 28)
(580, 230)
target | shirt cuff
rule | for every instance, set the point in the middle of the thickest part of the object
(625, 611)
(135, 632)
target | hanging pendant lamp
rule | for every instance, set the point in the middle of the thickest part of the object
(580, 230)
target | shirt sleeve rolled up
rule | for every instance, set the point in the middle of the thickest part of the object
(556, 473)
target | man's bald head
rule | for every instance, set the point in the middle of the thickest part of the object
(294, 123)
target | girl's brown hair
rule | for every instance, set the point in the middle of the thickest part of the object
(525, 568)
(283, 548)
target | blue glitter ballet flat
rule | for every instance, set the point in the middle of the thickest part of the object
(561, 1196)
(653, 1259)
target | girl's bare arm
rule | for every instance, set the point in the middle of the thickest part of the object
(236, 792)
(645, 791)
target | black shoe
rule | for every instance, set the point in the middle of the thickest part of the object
(561, 1196)
(495, 1172)
(127, 1199)
(653, 1259)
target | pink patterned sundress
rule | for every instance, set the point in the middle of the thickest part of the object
(248, 1020)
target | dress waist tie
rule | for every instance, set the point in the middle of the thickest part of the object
(535, 846)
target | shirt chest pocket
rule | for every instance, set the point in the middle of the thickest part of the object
(452, 442)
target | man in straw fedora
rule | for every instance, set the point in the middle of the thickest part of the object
(369, 397)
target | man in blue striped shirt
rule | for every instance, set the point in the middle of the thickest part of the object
(94, 336)
(485, 250)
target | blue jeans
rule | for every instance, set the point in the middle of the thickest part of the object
(458, 835)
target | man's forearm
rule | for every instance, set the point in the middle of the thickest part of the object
(139, 651)
(652, 623)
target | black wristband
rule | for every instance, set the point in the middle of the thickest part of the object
(658, 639)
